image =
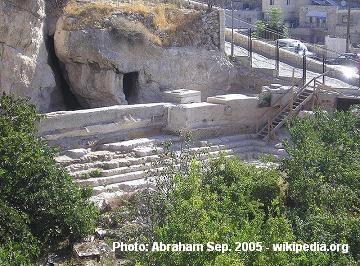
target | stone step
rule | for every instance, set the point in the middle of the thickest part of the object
(246, 143)
(141, 173)
(102, 181)
(228, 139)
(126, 169)
(139, 149)
(112, 190)
(92, 156)
(244, 149)
(115, 163)
(245, 156)
(126, 165)
(127, 186)
(79, 174)
(124, 161)
(272, 151)
(127, 146)
(129, 161)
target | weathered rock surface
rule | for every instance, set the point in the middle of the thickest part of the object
(105, 67)
(24, 68)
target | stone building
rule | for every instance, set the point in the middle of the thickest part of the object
(312, 20)
(318, 21)
(243, 19)
(290, 8)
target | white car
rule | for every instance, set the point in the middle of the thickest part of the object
(295, 46)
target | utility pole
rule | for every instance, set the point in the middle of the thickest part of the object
(348, 27)
(232, 29)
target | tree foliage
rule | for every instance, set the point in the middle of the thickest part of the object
(273, 27)
(227, 203)
(40, 206)
(323, 173)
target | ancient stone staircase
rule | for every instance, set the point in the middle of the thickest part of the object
(121, 166)
(292, 107)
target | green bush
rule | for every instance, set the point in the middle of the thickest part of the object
(323, 173)
(40, 205)
(225, 201)
(273, 28)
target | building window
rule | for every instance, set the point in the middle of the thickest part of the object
(345, 19)
(311, 19)
(272, 2)
(288, 2)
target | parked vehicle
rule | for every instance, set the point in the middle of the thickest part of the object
(346, 59)
(295, 46)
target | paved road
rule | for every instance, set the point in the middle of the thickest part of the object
(286, 70)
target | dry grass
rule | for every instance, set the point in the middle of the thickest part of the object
(87, 15)
(172, 22)
(123, 28)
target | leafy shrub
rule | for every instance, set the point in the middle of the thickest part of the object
(222, 201)
(40, 205)
(91, 174)
(273, 28)
(265, 99)
(323, 173)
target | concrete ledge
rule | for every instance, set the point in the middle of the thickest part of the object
(118, 115)
(234, 99)
(223, 114)
(182, 96)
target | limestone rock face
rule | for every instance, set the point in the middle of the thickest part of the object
(106, 68)
(24, 68)
(95, 86)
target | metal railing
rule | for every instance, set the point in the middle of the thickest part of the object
(271, 117)
(321, 64)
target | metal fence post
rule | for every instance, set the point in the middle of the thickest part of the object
(250, 47)
(277, 56)
(304, 68)
(232, 30)
(324, 68)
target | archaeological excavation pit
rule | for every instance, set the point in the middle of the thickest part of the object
(131, 87)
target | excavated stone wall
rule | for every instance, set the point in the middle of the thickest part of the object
(24, 67)
(106, 67)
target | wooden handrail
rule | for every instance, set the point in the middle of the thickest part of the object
(308, 83)
(278, 100)
(324, 87)
(291, 101)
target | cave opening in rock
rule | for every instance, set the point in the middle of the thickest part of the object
(70, 101)
(131, 87)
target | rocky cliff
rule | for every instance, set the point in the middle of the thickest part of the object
(127, 56)
(24, 60)
(109, 54)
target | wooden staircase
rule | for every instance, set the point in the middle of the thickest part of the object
(275, 120)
